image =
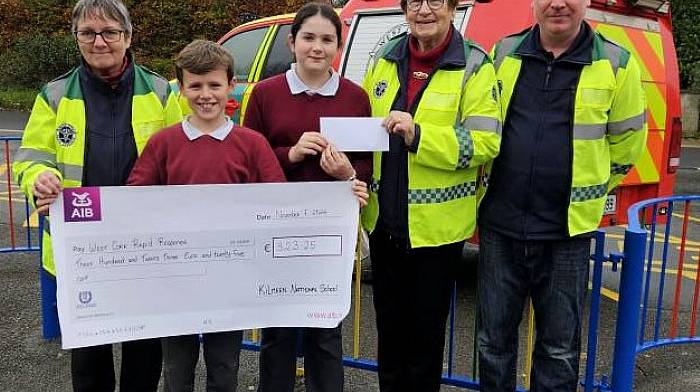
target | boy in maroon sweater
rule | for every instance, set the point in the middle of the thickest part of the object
(206, 148)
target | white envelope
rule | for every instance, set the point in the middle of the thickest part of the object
(355, 133)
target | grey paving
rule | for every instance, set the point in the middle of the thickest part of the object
(28, 363)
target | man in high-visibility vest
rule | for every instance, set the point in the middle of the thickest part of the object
(574, 124)
(86, 129)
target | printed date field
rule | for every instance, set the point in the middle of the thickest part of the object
(307, 246)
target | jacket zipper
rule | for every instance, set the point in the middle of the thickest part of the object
(114, 138)
(538, 136)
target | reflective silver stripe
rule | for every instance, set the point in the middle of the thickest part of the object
(71, 172)
(482, 123)
(589, 131)
(160, 88)
(476, 58)
(588, 192)
(441, 195)
(631, 124)
(503, 48)
(464, 139)
(466, 147)
(614, 54)
(55, 91)
(31, 154)
(458, 118)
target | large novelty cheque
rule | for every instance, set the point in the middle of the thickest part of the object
(144, 262)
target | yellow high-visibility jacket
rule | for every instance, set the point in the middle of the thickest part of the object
(609, 125)
(460, 125)
(59, 112)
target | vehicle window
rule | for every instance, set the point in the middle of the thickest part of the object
(243, 48)
(280, 56)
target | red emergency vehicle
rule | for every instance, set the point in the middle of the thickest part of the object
(641, 26)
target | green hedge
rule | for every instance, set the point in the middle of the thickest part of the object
(17, 99)
(163, 27)
(36, 45)
(34, 60)
(686, 33)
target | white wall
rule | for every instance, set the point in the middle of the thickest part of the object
(690, 107)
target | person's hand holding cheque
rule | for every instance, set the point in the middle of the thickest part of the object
(351, 134)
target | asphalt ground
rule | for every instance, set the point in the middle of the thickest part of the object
(28, 363)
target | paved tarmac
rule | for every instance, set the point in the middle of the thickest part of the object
(13, 120)
(28, 363)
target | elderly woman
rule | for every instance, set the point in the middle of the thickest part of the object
(439, 97)
(86, 129)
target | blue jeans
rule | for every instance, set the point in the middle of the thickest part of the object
(555, 275)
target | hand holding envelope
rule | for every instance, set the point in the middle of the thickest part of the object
(351, 134)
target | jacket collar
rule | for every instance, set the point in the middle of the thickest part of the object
(125, 80)
(581, 50)
(453, 57)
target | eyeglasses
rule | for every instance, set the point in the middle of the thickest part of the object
(414, 5)
(88, 37)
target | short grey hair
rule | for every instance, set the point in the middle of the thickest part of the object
(106, 9)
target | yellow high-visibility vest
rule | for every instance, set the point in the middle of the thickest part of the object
(54, 138)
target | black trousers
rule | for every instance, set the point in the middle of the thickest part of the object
(412, 291)
(323, 359)
(221, 356)
(92, 368)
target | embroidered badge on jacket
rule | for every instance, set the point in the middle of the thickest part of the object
(380, 88)
(65, 134)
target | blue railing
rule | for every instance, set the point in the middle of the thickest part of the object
(636, 286)
(634, 311)
(20, 240)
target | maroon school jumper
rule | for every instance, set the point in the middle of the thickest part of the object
(283, 117)
(170, 158)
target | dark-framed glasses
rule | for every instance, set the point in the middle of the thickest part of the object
(414, 5)
(88, 36)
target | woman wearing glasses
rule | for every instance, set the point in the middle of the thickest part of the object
(86, 129)
(439, 97)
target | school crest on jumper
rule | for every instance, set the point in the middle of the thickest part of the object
(65, 134)
(380, 88)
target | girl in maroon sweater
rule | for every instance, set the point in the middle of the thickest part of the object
(286, 109)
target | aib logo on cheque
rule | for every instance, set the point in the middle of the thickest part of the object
(81, 204)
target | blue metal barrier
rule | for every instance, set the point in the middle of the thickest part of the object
(630, 338)
(633, 313)
(13, 197)
(32, 241)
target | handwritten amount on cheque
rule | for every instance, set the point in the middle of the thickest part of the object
(158, 250)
